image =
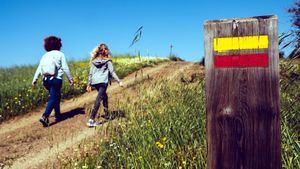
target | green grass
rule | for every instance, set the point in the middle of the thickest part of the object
(165, 128)
(17, 97)
(290, 113)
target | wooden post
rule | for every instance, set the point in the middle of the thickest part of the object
(242, 93)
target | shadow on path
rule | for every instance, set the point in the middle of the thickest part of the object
(116, 114)
(112, 115)
(69, 114)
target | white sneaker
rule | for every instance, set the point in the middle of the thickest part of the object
(91, 123)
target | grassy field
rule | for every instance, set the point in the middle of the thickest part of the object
(290, 113)
(17, 97)
(165, 127)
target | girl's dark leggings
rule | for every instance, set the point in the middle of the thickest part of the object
(102, 96)
(53, 85)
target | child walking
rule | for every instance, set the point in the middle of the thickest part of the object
(101, 69)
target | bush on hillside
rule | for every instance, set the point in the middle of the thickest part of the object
(175, 58)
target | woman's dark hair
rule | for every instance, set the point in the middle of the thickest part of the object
(52, 43)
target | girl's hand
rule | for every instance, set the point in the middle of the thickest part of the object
(89, 88)
(121, 84)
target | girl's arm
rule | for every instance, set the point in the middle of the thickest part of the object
(90, 75)
(112, 72)
(89, 87)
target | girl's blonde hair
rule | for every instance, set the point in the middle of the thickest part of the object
(96, 53)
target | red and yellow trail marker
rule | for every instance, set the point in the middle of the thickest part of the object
(242, 93)
(244, 51)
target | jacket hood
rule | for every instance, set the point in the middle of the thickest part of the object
(99, 62)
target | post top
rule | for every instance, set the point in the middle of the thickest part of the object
(254, 18)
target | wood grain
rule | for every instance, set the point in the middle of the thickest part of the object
(242, 104)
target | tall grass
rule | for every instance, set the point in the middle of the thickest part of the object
(165, 127)
(290, 113)
(17, 96)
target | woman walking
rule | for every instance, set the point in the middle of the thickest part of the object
(99, 77)
(52, 66)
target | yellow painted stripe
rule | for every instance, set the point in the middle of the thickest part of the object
(240, 43)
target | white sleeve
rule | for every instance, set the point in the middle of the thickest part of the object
(65, 67)
(37, 73)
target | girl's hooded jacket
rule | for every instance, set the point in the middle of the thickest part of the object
(100, 70)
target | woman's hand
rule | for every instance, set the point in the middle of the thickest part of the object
(33, 84)
(71, 82)
(89, 88)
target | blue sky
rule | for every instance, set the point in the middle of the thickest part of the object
(82, 24)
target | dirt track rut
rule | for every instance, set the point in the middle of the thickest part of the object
(26, 144)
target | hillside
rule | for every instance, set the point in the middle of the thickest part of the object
(158, 122)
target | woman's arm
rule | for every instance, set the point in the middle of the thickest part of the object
(65, 68)
(37, 74)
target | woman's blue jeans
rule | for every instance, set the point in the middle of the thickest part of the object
(53, 85)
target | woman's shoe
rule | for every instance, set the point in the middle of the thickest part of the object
(44, 121)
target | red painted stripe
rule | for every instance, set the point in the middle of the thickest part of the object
(242, 60)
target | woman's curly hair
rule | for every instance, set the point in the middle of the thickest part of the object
(52, 43)
(97, 53)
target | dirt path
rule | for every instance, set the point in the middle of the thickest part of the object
(26, 144)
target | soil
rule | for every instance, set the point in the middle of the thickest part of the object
(26, 144)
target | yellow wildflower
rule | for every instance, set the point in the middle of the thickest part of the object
(183, 162)
(159, 145)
